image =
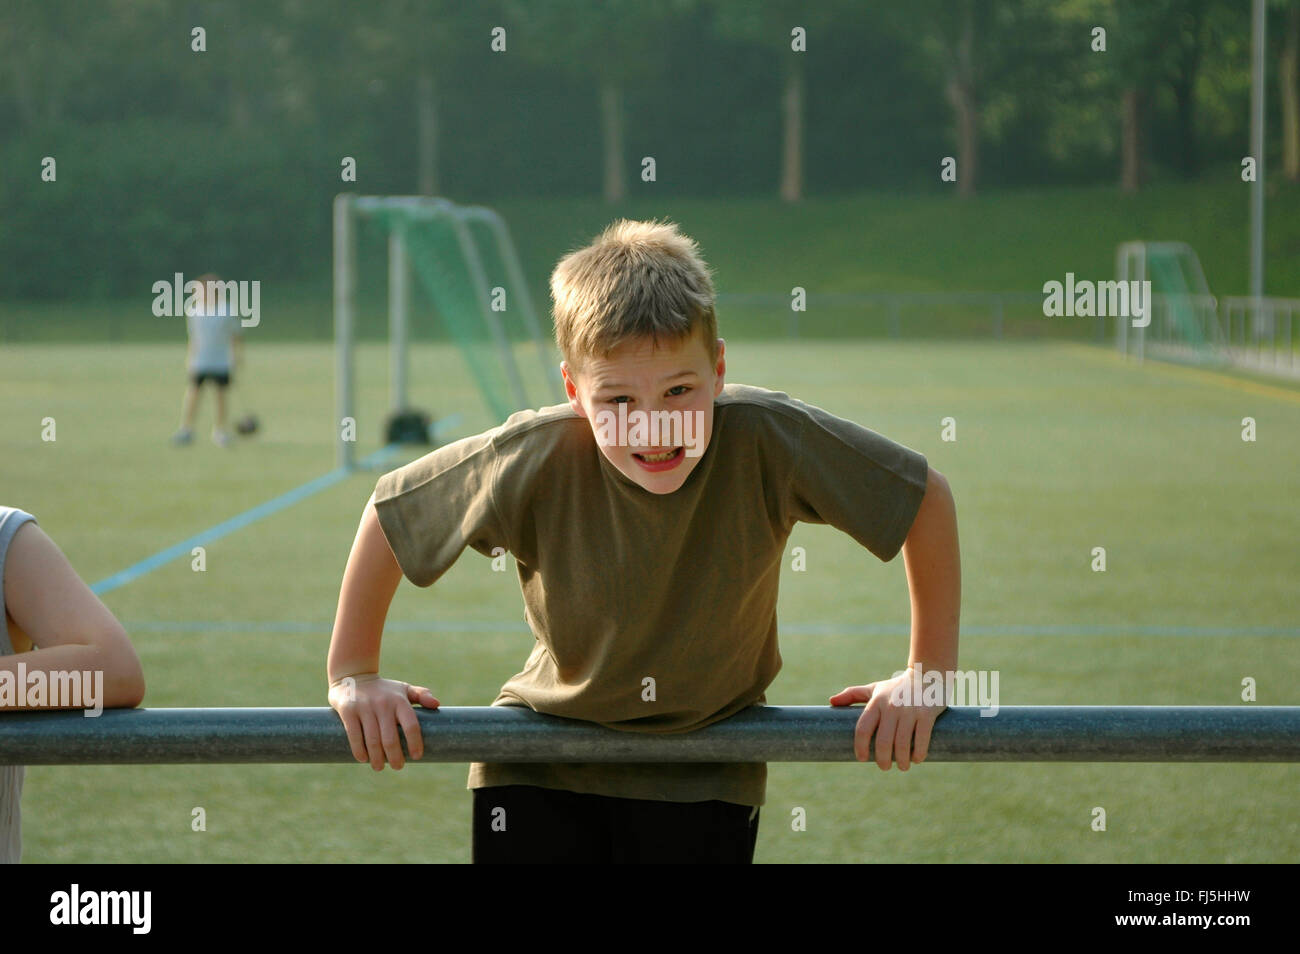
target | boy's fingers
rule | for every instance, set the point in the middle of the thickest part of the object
(853, 694)
(374, 747)
(411, 726)
(885, 739)
(923, 729)
(392, 744)
(862, 735)
(903, 743)
(421, 695)
(352, 725)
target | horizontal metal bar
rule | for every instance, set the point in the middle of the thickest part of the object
(757, 734)
(420, 204)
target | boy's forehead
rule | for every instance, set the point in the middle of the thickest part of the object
(643, 357)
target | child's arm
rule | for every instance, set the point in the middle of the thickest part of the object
(933, 562)
(57, 624)
(371, 708)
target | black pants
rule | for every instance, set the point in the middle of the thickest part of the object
(528, 824)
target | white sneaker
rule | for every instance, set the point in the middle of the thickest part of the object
(221, 438)
(182, 436)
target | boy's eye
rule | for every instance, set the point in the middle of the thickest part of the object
(679, 390)
(620, 399)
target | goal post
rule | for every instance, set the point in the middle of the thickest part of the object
(1182, 315)
(436, 239)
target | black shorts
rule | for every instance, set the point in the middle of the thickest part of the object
(527, 824)
(220, 378)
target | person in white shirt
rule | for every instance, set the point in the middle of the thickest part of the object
(215, 348)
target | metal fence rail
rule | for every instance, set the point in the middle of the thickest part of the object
(758, 734)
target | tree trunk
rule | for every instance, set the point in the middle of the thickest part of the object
(238, 103)
(1288, 78)
(611, 121)
(966, 114)
(1185, 113)
(1131, 172)
(426, 119)
(792, 137)
(962, 96)
(1184, 89)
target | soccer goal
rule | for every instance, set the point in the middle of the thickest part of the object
(1182, 315)
(469, 270)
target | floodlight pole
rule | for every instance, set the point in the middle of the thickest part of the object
(345, 283)
(1257, 53)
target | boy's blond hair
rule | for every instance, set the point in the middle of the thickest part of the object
(636, 280)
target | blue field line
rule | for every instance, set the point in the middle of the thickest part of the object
(788, 629)
(274, 505)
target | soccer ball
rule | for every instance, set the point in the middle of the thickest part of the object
(246, 424)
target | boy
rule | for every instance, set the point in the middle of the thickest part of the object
(649, 564)
(213, 354)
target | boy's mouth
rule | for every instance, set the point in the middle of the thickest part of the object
(665, 460)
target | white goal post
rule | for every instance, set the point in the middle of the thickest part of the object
(348, 208)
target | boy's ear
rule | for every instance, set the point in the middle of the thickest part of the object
(720, 368)
(571, 390)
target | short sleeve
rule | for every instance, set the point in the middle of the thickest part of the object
(434, 507)
(856, 480)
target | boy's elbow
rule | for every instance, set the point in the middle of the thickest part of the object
(124, 685)
(128, 693)
(126, 689)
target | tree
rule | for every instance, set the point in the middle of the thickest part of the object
(789, 30)
(49, 52)
(417, 47)
(1288, 82)
(615, 44)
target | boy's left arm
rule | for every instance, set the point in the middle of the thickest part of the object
(933, 563)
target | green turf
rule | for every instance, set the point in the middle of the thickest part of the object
(1059, 449)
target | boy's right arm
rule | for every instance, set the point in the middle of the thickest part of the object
(372, 709)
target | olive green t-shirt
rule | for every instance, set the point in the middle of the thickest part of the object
(622, 585)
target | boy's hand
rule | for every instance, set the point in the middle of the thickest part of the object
(892, 722)
(372, 709)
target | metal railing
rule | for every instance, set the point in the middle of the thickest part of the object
(1259, 332)
(757, 734)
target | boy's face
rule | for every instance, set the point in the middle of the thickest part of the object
(677, 376)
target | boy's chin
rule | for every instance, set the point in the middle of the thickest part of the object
(664, 482)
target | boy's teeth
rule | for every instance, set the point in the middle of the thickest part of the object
(659, 458)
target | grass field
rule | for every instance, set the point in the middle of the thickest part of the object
(1060, 448)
